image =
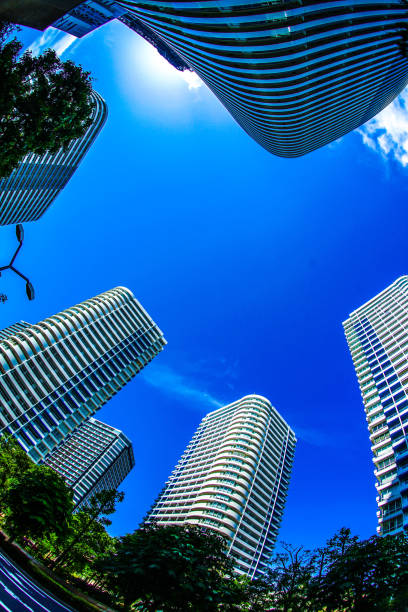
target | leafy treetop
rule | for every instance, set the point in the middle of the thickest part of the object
(171, 568)
(44, 103)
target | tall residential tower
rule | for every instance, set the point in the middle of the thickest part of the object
(56, 374)
(32, 187)
(233, 478)
(377, 335)
(295, 75)
(94, 457)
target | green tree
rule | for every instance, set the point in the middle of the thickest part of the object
(253, 595)
(289, 577)
(94, 513)
(93, 543)
(37, 503)
(14, 462)
(370, 575)
(172, 568)
(44, 103)
(345, 575)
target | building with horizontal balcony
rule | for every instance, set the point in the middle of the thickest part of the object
(295, 76)
(28, 192)
(233, 479)
(56, 374)
(94, 457)
(377, 335)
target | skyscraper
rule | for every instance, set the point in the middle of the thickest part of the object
(57, 373)
(294, 76)
(377, 335)
(32, 187)
(233, 478)
(94, 457)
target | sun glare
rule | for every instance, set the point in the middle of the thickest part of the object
(158, 68)
(161, 70)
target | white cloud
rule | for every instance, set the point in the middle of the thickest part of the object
(192, 79)
(173, 383)
(52, 39)
(387, 133)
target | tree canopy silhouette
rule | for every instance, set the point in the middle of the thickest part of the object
(44, 103)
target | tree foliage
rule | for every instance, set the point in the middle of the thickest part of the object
(289, 578)
(34, 500)
(14, 462)
(44, 103)
(347, 574)
(369, 575)
(85, 542)
(89, 526)
(36, 503)
(172, 568)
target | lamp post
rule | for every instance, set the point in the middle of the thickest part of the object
(20, 237)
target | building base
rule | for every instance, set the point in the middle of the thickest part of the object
(37, 14)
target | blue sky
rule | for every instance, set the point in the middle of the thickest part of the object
(248, 263)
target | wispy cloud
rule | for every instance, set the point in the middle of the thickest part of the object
(216, 368)
(52, 39)
(313, 436)
(387, 133)
(173, 383)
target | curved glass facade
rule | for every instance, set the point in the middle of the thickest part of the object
(295, 74)
(233, 478)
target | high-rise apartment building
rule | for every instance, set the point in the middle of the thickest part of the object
(294, 76)
(31, 188)
(377, 335)
(56, 374)
(233, 478)
(93, 458)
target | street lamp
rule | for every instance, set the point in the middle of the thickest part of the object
(20, 237)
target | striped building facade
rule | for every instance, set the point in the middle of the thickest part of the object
(377, 335)
(233, 478)
(93, 458)
(295, 74)
(56, 374)
(31, 188)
